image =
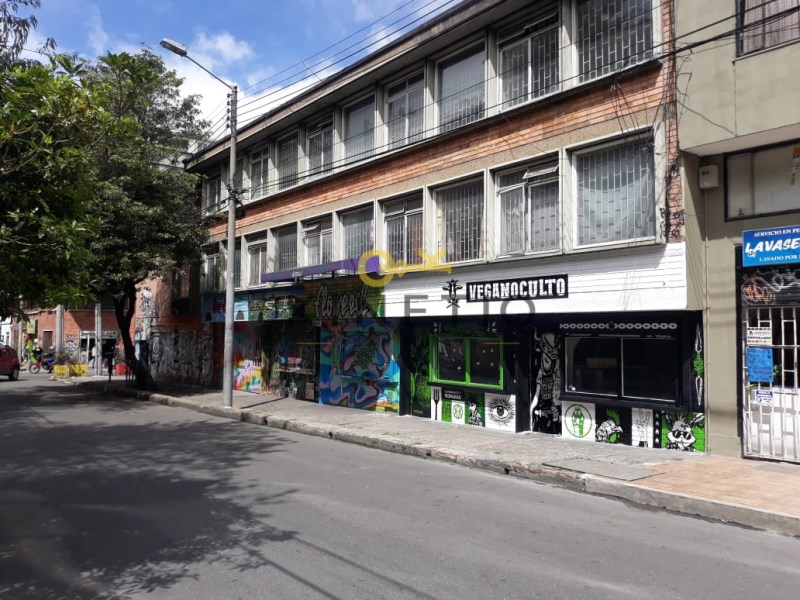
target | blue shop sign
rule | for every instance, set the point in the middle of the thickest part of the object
(776, 246)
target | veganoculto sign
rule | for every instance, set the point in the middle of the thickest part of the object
(527, 288)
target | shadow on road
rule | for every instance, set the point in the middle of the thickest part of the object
(98, 510)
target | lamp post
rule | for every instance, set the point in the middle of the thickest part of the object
(227, 371)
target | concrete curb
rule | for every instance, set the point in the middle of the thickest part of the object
(562, 477)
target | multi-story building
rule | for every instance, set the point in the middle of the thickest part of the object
(481, 222)
(739, 132)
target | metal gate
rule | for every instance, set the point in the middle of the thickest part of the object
(770, 393)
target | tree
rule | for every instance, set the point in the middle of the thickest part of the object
(46, 183)
(145, 203)
(14, 30)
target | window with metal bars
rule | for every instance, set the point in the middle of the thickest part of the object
(286, 248)
(462, 98)
(320, 148)
(317, 237)
(359, 129)
(529, 58)
(214, 270)
(287, 162)
(612, 35)
(237, 264)
(529, 220)
(405, 102)
(616, 193)
(460, 216)
(258, 174)
(767, 23)
(404, 233)
(257, 258)
(356, 232)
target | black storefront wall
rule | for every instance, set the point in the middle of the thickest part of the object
(534, 363)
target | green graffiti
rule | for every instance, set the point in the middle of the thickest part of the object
(577, 421)
(698, 364)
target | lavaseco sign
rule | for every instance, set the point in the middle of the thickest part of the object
(526, 288)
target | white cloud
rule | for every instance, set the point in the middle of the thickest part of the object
(221, 48)
(98, 38)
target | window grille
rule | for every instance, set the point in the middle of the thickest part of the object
(461, 221)
(257, 254)
(287, 165)
(318, 236)
(461, 90)
(357, 232)
(320, 149)
(404, 233)
(286, 248)
(616, 193)
(360, 129)
(767, 23)
(529, 210)
(612, 35)
(258, 174)
(404, 111)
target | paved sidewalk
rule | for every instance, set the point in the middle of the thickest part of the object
(762, 495)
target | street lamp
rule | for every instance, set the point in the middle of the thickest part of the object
(227, 374)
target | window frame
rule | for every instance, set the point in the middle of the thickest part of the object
(259, 156)
(213, 183)
(409, 88)
(213, 282)
(575, 156)
(363, 101)
(540, 173)
(441, 241)
(433, 366)
(320, 129)
(620, 396)
(742, 27)
(449, 60)
(403, 214)
(289, 179)
(582, 77)
(518, 35)
(319, 228)
(260, 243)
(341, 215)
(279, 233)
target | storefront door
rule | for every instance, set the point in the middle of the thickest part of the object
(770, 393)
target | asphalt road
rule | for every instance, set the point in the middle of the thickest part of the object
(109, 498)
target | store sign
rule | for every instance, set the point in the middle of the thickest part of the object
(527, 288)
(760, 365)
(759, 336)
(763, 397)
(776, 246)
(347, 303)
(456, 395)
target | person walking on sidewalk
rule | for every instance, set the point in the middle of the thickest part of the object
(94, 356)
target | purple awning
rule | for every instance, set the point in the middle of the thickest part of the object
(350, 264)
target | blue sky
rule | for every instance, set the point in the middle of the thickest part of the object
(247, 42)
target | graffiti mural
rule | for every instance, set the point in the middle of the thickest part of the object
(681, 431)
(358, 366)
(247, 377)
(545, 409)
(500, 412)
(579, 421)
(146, 305)
(610, 428)
(71, 347)
(181, 356)
(642, 427)
(420, 392)
(698, 367)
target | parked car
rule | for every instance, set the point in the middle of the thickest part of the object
(9, 362)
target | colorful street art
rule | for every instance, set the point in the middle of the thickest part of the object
(682, 431)
(247, 377)
(358, 367)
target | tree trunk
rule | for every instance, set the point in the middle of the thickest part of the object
(124, 318)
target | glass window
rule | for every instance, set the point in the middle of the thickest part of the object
(593, 365)
(761, 28)
(529, 210)
(757, 182)
(257, 256)
(181, 281)
(320, 149)
(287, 162)
(484, 362)
(359, 129)
(212, 195)
(237, 264)
(616, 193)
(470, 361)
(404, 111)
(357, 232)
(650, 368)
(258, 174)
(460, 213)
(404, 234)
(286, 248)
(646, 368)
(451, 360)
(529, 66)
(214, 270)
(612, 35)
(461, 89)
(318, 236)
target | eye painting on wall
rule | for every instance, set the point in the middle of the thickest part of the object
(545, 409)
(500, 412)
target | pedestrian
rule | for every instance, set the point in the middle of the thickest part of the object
(94, 355)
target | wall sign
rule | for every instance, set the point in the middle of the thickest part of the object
(763, 397)
(776, 246)
(759, 365)
(759, 336)
(528, 288)
(453, 394)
